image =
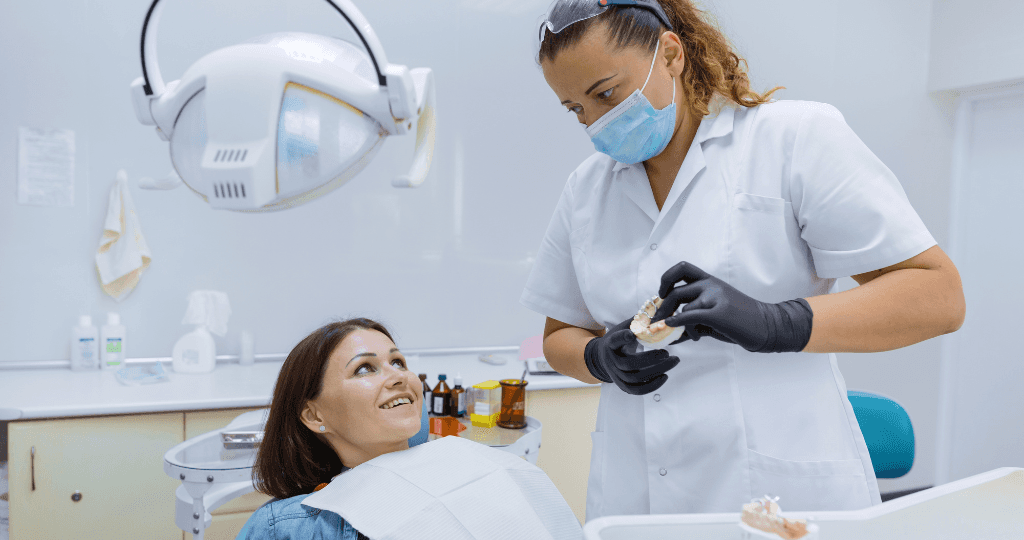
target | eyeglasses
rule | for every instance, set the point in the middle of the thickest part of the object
(564, 13)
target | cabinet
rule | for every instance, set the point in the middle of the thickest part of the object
(568, 417)
(115, 463)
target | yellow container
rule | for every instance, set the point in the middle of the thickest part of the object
(485, 404)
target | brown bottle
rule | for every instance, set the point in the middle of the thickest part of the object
(440, 398)
(426, 387)
(458, 401)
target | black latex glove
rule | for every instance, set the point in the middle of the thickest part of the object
(611, 359)
(716, 309)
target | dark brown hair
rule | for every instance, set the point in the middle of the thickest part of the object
(712, 67)
(292, 460)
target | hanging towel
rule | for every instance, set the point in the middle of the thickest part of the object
(123, 254)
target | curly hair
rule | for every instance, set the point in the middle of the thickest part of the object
(712, 67)
(292, 460)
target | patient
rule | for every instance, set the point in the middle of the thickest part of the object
(343, 397)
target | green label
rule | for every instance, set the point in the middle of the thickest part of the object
(113, 345)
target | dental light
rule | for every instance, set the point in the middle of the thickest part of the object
(281, 119)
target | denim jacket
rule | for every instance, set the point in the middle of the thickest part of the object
(288, 519)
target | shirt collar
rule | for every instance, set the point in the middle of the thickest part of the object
(711, 127)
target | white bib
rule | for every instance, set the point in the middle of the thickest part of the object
(449, 489)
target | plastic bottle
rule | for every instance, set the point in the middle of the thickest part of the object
(112, 341)
(440, 398)
(195, 352)
(85, 347)
(458, 397)
(247, 356)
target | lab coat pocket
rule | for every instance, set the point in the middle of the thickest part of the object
(761, 244)
(595, 484)
(810, 485)
(759, 203)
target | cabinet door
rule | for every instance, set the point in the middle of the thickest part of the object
(199, 422)
(567, 418)
(114, 462)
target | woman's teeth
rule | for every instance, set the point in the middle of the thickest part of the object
(396, 402)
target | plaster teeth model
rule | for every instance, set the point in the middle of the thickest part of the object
(763, 515)
(657, 335)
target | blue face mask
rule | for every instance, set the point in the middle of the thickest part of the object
(634, 130)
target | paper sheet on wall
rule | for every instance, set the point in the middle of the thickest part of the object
(46, 167)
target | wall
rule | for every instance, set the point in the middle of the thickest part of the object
(443, 264)
(976, 43)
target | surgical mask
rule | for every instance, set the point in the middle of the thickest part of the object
(634, 130)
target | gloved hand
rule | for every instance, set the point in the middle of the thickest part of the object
(716, 309)
(610, 359)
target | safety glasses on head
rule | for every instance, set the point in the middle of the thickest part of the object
(564, 13)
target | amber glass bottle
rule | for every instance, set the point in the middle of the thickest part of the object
(440, 398)
(458, 398)
(426, 387)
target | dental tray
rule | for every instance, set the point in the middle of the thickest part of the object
(241, 440)
(540, 366)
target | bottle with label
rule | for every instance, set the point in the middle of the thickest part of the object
(112, 341)
(440, 398)
(458, 398)
(85, 345)
(426, 387)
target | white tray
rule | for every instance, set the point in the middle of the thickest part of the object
(750, 533)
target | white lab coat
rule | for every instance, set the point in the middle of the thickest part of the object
(778, 201)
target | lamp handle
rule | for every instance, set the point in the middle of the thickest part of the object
(153, 83)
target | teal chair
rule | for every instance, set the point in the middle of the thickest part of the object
(887, 431)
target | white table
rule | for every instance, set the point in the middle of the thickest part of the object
(987, 506)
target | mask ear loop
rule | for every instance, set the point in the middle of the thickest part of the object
(651, 70)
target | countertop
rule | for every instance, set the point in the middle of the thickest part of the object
(57, 393)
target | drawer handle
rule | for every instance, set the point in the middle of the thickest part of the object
(33, 452)
(76, 496)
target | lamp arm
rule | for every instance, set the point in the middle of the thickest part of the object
(154, 83)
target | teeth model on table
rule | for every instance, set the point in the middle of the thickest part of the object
(761, 519)
(653, 336)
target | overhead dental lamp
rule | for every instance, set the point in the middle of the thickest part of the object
(284, 118)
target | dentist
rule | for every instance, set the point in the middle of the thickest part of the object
(741, 212)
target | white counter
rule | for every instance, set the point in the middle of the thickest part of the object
(54, 393)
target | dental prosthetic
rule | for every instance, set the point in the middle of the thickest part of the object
(763, 515)
(654, 336)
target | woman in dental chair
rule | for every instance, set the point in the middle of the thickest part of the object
(342, 398)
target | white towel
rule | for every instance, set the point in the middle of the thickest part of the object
(123, 254)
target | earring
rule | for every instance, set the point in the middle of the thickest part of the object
(322, 429)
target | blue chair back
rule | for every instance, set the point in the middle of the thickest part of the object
(887, 431)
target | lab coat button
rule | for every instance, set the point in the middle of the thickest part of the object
(663, 472)
(654, 247)
(657, 397)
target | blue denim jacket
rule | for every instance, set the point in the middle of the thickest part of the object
(288, 519)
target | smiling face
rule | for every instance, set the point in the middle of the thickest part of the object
(365, 374)
(594, 75)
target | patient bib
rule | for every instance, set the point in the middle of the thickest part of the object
(449, 489)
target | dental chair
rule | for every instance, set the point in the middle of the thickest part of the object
(216, 467)
(888, 433)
